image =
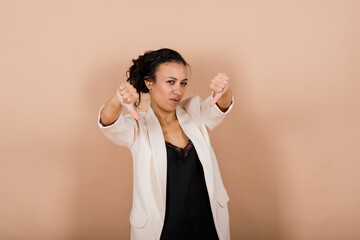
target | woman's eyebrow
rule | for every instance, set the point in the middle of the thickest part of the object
(185, 79)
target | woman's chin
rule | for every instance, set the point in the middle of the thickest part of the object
(169, 106)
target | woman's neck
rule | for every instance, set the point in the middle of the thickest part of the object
(164, 117)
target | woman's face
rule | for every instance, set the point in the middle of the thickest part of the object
(169, 88)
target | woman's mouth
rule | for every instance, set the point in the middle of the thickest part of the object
(176, 101)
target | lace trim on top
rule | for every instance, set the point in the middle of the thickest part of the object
(185, 150)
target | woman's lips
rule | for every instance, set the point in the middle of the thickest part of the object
(175, 100)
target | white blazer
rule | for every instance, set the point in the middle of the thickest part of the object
(146, 142)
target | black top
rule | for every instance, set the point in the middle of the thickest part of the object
(188, 214)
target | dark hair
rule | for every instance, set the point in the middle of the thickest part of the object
(145, 67)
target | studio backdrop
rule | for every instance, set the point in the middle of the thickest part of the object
(288, 151)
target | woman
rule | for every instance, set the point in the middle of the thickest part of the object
(178, 192)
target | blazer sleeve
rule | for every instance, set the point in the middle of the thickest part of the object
(201, 112)
(213, 116)
(122, 132)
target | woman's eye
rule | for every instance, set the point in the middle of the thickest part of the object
(170, 81)
(184, 83)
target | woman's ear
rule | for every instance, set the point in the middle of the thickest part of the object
(148, 83)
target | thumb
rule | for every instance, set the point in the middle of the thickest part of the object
(216, 96)
(128, 106)
(131, 109)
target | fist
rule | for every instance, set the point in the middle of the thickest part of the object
(127, 93)
(218, 85)
(127, 96)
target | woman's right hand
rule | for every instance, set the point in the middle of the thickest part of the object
(127, 96)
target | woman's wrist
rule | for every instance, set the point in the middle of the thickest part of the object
(225, 100)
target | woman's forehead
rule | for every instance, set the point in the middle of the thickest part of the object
(172, 69)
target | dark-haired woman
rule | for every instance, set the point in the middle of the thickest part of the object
(178, 192)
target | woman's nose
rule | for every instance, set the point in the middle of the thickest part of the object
(176, 89)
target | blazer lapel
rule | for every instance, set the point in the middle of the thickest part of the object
(193, 132)
(158, 150)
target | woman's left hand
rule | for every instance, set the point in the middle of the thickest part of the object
(218, 85)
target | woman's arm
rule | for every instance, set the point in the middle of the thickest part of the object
(118, 128)
(214, 108)
(111, 111)
(126, 96)
(225, 100)
(222, 93)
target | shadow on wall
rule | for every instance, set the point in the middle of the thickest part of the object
(247, 162)
(104, 170)
(246, 159)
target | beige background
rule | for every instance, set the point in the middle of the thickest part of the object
(288, 152)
